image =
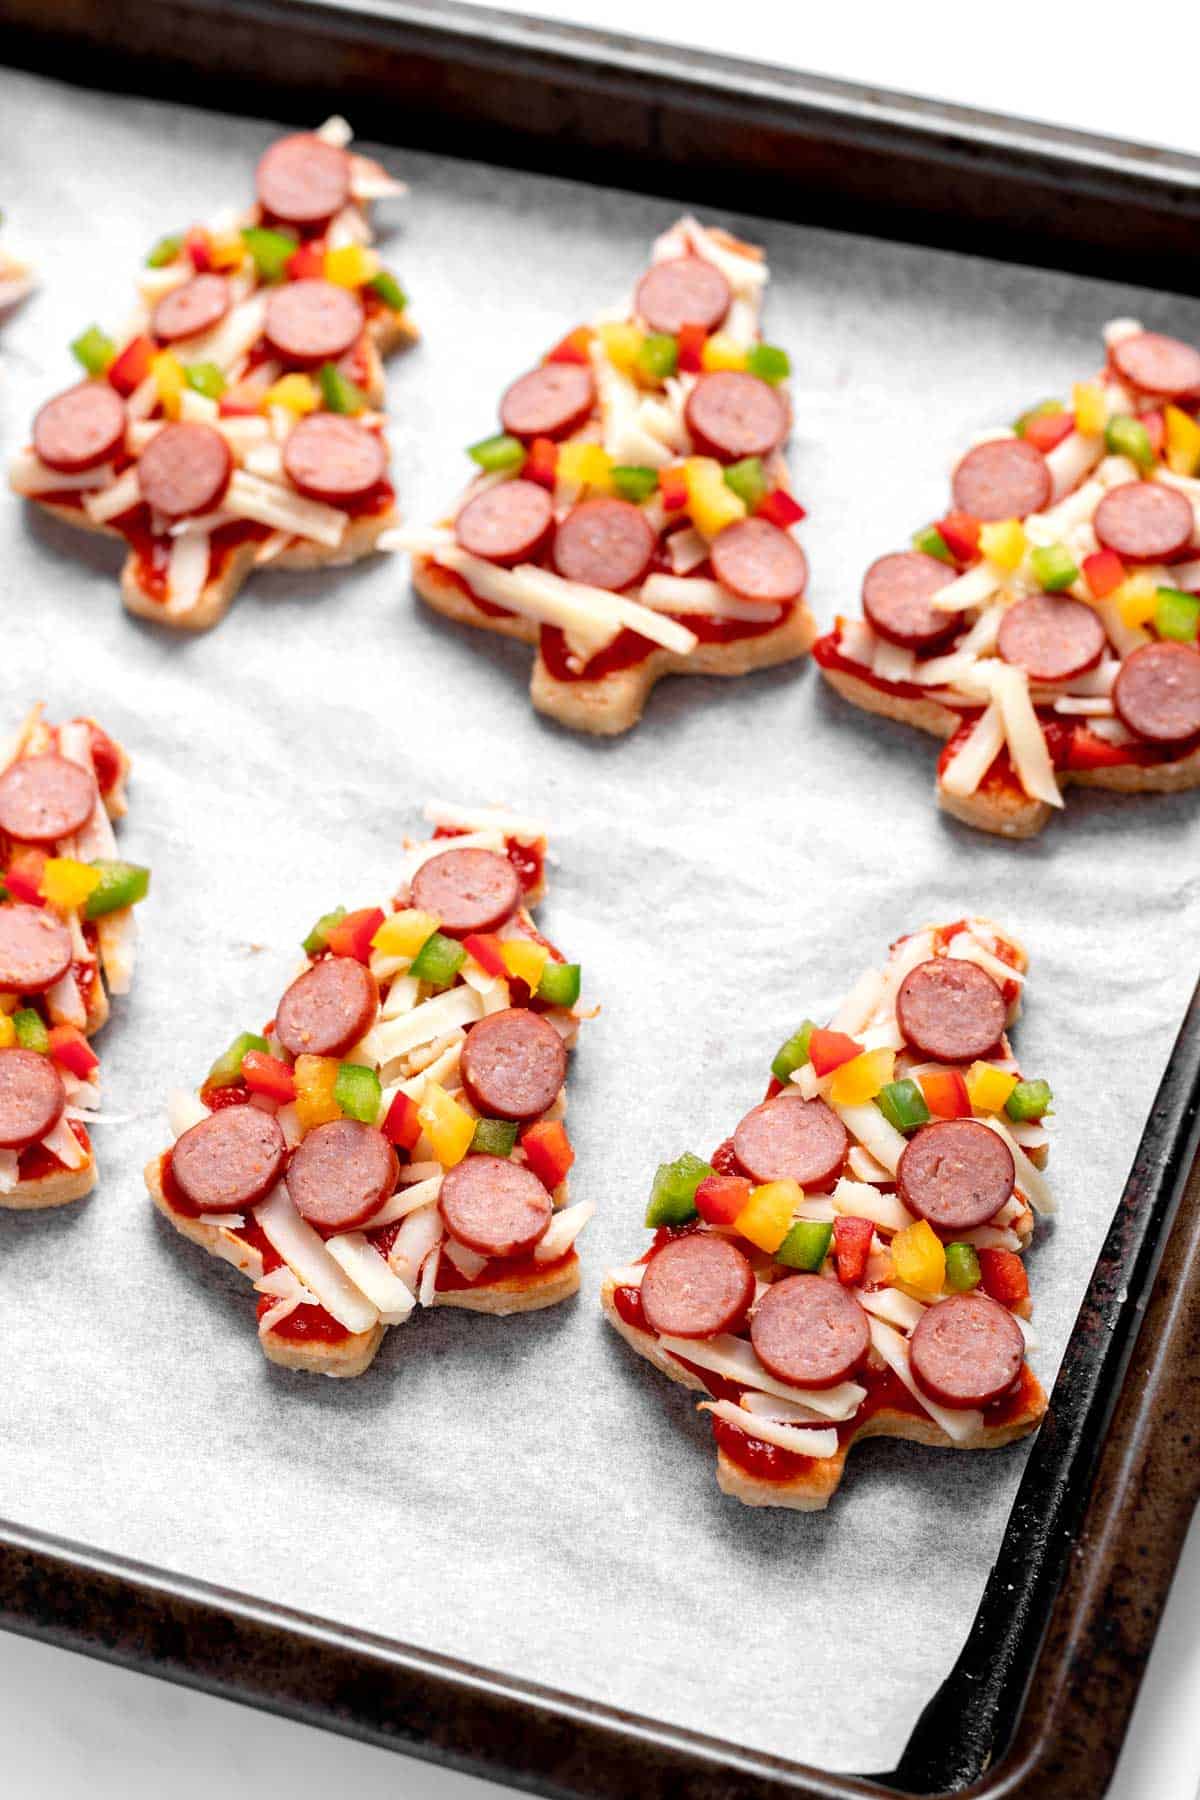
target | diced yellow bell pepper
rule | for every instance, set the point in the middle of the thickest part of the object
(297, 393)
(767, 1215)
(8, 1032)
(403, 933)
(988, 1087)
(446, 1124)
(1090, 407)
(1003, 543)
(316, 1078)
(67, 883)
(712, 503)
(228, 252)
(1137, 600)
(720, 352)
(525, 960)
(621, 346)
(167, 371)
(351, 266)
(589, 465)
(918, 1258)
(859, 1080)
(1183, 442)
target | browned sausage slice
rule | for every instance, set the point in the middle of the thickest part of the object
(467, 890)
(328, 1008)
(1144, 521)
(333, 459)
(956, 1174)
(184, 469)
(311, 322)
(605, 542)
(195, 306)
(950, 1010)
(81, 428)
(896, 595)
(229, 1160)
(1157, 692)
(494, 1207)
(551, 401)
(45, 798)
(731, 414)
(967, 1351)
(684, 290)
(302, 180)
(809, 1332)
(1158, 365)
(513, 1064)
(35, 950)
(757, 561)
(32, 1098)
(697, 1286)
(341, 1174)
(1051, 639)
(508, 524)
(1005, 479)
(792, 1139)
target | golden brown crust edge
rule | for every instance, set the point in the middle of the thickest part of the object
(58, 1189)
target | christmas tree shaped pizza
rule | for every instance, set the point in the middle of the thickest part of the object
(634, 517)
(848, 1265)
(236, 422)
(1047, 626)
(393, 1137)
(66, 942)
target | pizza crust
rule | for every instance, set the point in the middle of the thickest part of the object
(517, 1295)
(58, 1189)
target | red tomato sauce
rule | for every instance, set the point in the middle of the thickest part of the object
(37, 1162)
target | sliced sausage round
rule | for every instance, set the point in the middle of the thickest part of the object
(311, 322)
(328, 1008)
(302, 180)
(195, 306)
(45, 798)
(467, 890)
(956, 1174)
(696, 1286)
(1157, 692)
(966, 1351)
(513, 1064)
(32, 1097)
(792, 1139)
(495, 1207)
(683, 290)
(1158, 365)
(35, 950)
(1051, 639)
(550, 401)
(896, 595)
(508, 524)
(1007, 478)
(341, 1174)
(606, 543)
(81, 428)
(1144, 521)
(731, 414)
(184, 469)
(229, 1160)
(950, 1010)
(757, 561)
(809, 1332)
(333, 459)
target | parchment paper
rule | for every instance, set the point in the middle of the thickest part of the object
(525, 1493)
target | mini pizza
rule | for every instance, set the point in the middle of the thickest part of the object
(634, 517)
(67, 938)
(394, 1137)
(1047, 626)
(237, 421)
(849, 1263)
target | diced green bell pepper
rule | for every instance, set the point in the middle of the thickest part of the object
(903, 1104)
(358, 1092)
(205, 378)
(438, 960)
(768, 362)
(340, 394)
(806, 1245)
(633, 482)
(121, 884)
(658, 356)
(748, 480)
(1177, 615)
(389, 290)
(271, 250)
(228, 1067)
(962, 1268)
(494, 1137)
(93, 350)
(165, 251)
(318, 938)
(673, 1191)
(1124, 436)
(1029, 1100)
(1054, 567)
(498, 453)
(31, 1031)
(793, 1054)
(560, 984)
(931, 541)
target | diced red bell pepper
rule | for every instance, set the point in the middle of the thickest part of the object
(779, 508)
(548, 1151)
(946, 1094)
(959, 532)
(828, 1050)
(541, 463)
(1002, 1275)
(672, 485)
(690, 339)
(23, 877)
(1045, 430)
(308, 262)
(1156, 429)
(1087, 751)
(106, 758)
(198, 246)
(71, 1050)
(1104, 572)
(574, 348)
(402, 1126)
(352, 935)
(215, 1098)
(131, 368)
(720, 1198)
(851, 1248)
(484, 947)
(268, 1075)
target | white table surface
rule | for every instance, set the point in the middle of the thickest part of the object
(74, 1729)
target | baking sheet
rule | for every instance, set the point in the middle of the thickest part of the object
(525, 1493)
